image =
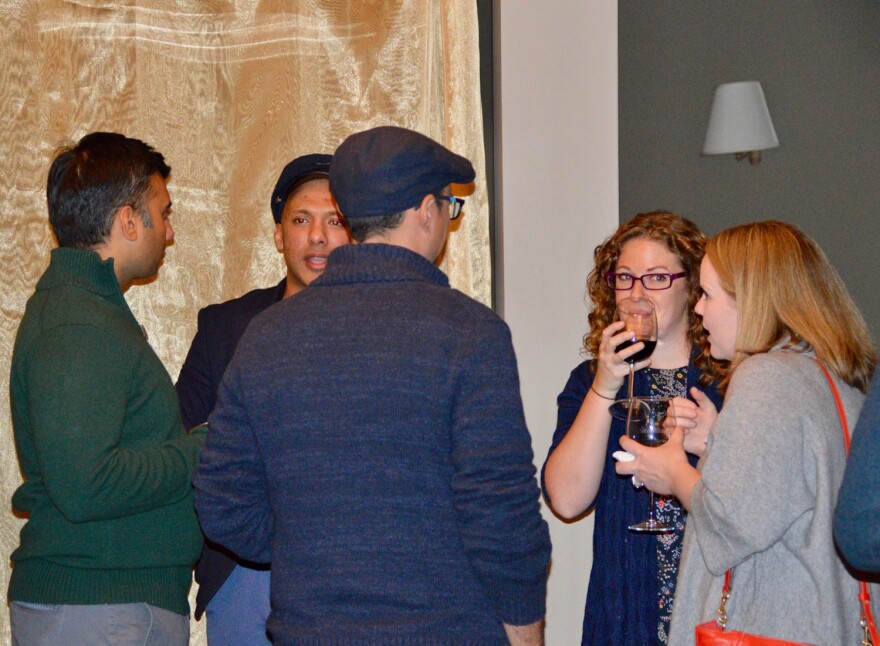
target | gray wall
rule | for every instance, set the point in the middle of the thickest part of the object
(819, 64)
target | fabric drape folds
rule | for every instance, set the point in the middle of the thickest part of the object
(228, 91)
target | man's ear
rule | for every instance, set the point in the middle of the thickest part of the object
(426, 216)
(279, 238)
(126, 218)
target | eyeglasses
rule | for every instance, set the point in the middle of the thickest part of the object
(654, 282)
(456, 204)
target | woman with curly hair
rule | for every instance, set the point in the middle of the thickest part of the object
(761, 505)
(632, 582)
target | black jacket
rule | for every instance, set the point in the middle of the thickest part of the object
(220, 327)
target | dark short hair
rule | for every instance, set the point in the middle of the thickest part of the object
(362, 228)
(89, 181)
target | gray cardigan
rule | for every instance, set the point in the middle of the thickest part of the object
(764, 507)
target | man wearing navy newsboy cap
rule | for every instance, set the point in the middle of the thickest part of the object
(397, 501)
(233, 593)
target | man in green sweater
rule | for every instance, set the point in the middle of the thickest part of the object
(107, 552)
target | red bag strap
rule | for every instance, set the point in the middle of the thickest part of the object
(840, 411)
(868, 624)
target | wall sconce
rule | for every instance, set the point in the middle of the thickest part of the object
(740, 122)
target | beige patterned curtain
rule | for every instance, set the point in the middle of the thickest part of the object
(228, 91)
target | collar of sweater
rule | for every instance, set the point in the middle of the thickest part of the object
(378, 263)
(82, 268)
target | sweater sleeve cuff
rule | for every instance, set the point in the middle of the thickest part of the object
(520, 603)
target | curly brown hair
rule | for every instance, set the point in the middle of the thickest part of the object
(682, 238)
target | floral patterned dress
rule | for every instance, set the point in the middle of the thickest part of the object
(671, 382)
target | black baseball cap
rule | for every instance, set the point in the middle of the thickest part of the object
(300, 170)
(388, 169)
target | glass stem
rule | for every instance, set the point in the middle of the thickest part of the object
(629, 400)
(629, 388)
(651, 518)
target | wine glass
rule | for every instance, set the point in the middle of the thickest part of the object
(640, 319)
(649, 421)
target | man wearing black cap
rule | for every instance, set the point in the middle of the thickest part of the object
(307, 228)
(396, 495)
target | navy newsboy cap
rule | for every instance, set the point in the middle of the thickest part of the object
(387, 170)
(299, 170)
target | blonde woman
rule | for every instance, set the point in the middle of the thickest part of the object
(762, 502)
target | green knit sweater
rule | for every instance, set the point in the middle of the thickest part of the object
(105, 457)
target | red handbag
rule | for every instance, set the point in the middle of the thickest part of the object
(712, 633)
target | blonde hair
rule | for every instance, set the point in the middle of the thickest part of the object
(785, 286)
(686, 242)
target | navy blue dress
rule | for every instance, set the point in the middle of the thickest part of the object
(622, 597)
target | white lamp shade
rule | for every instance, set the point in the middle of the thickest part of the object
(740, 121)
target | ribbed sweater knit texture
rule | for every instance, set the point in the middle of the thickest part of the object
(369, 440)
(105, 458)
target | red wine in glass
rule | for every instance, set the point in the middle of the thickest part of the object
(642, 354)
(640, 320)
(649, 432)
